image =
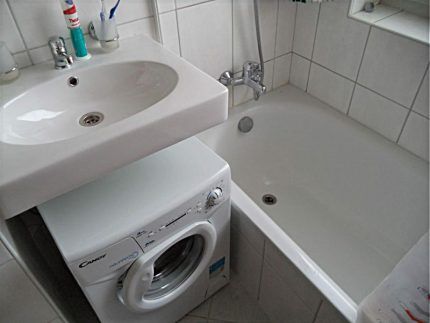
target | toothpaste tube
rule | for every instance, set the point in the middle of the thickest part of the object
(74, 25)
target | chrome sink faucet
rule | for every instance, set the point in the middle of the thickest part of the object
(252, 76)
(62, 59)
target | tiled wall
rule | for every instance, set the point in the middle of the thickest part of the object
(27, 25)
(374, 76)
(219, 35)
(269, 277)
(17, 290)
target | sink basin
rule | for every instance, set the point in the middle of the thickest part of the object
(125, 105)
(84, 101)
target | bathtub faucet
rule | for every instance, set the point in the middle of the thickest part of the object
(252, 76)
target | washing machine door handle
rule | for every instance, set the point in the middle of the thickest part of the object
(137, 282)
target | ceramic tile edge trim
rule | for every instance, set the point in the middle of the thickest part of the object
(330, 290)
(402, 31)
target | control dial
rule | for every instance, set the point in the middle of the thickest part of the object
(214, 197)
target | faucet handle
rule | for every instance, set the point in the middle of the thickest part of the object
(59, 52)
(57, 44)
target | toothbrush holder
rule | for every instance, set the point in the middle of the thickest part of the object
(105, 31)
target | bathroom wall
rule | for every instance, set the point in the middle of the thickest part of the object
(374, 76)
(27, 25)
(220, 35)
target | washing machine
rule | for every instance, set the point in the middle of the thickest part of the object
(150, 241)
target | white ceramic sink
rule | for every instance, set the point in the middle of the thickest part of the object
(148, 98)
(66, 107)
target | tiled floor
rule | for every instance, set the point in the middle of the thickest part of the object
(229, 305)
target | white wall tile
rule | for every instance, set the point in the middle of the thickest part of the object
(245, 43)
(233, 304)
(329, 314)
(340, 40)
(292, 276)
(415, 135)
(169, 30)
(244, 93)
(299, 71)
(22, 302)
(306, 24)
(246, 261)
(206, 36)
(241, 222)
(165, 5)
(22, 59)
(330, 88)
(42, 54)
(377, 112)
(8, 29)
(421, 104)
(40, 19)
(138, 27)
(281, 72)
(285, 28)
(5, 256)
(279, 301)
(393, 66)
(187, 3)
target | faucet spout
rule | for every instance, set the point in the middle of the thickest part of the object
(62, 59)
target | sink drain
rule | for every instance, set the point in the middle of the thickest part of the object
(91, 119)
(269, 199)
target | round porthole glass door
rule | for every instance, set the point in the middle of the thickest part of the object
(175, 265)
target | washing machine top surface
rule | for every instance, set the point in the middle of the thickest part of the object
(105, 211)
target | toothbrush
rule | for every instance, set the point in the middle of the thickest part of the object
(112, 11)
(103, 11)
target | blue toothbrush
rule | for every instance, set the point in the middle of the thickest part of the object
(112, 11)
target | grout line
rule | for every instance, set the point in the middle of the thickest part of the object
(177, 29)
(19, 31)
(276, 44)
(317, 311)
(192, 5)
(412, 104)
(393, 14)
(313, 47)
(261, 269)
(231, 89)
(351, 80)
(276, 28)
(292, 42)
(358, 72)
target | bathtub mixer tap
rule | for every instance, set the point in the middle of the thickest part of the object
(252, 76)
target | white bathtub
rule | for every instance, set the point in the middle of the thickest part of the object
(350, 203)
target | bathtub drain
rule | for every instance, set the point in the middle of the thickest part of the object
(269, 199)
(245, 124)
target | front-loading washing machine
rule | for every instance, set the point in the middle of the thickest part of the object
(150, 241)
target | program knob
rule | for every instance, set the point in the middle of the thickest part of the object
(214, 197)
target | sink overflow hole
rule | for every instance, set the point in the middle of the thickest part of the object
(269, 199)
(91, 119)
(72, 81)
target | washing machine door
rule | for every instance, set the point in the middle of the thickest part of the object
(165, 272)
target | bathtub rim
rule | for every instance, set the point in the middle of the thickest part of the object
(332, 291)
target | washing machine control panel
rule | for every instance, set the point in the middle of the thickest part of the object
(200, 207)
